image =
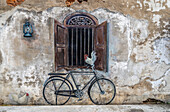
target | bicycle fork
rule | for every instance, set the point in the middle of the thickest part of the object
(101, 91)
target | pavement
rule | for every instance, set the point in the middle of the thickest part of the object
(88, 108)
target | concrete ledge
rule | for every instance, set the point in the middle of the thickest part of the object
(88, 108)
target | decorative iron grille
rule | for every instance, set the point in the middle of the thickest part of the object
(80, 42)
(80, 20)
(80, 37)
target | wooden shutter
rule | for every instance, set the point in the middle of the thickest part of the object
(100, 46)
(61, 46)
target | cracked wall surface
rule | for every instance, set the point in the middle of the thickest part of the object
(139, 49)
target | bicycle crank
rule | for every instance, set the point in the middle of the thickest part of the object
(79, 94)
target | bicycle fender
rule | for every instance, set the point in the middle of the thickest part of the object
(46, 81)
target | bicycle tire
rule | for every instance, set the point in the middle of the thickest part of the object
(51, 96)
(107, 88)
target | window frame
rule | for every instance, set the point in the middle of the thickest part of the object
(103, 62)
(89, 48)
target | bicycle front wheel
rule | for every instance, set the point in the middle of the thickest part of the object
(102, 91)
(56, 92)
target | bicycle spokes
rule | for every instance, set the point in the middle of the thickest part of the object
(56, 97)
(102, 91)
(58, 90)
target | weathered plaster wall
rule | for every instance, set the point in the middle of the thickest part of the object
(139, 54)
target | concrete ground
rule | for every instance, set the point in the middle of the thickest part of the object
(88, 108)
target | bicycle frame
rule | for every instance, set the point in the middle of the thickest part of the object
(71, 73)
(68, 89)
(89, 73)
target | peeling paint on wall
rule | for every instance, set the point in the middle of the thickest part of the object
(156, 19)
(138, 53)
(162, 49)
(153, 5)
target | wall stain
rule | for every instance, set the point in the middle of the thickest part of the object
(0, 58)
(19, 79)
(33, 46)
(33, 77)
(19, 85)
(70, 2)
(31, 83)
(143, 84)
(26, 77)
(1, 101)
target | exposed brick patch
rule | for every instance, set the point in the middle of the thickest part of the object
(14, 2)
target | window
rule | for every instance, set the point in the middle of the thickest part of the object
(80, 35)
(80, 42)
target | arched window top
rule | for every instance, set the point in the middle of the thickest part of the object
(80, 19)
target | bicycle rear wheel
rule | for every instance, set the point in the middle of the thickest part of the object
(102, 91)
(56, 92)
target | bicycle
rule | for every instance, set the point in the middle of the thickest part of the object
(101, 91)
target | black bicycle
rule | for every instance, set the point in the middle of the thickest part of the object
(58, 89)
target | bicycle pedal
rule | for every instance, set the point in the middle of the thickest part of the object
(80, 99)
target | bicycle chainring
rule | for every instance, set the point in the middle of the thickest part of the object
(79, 93)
